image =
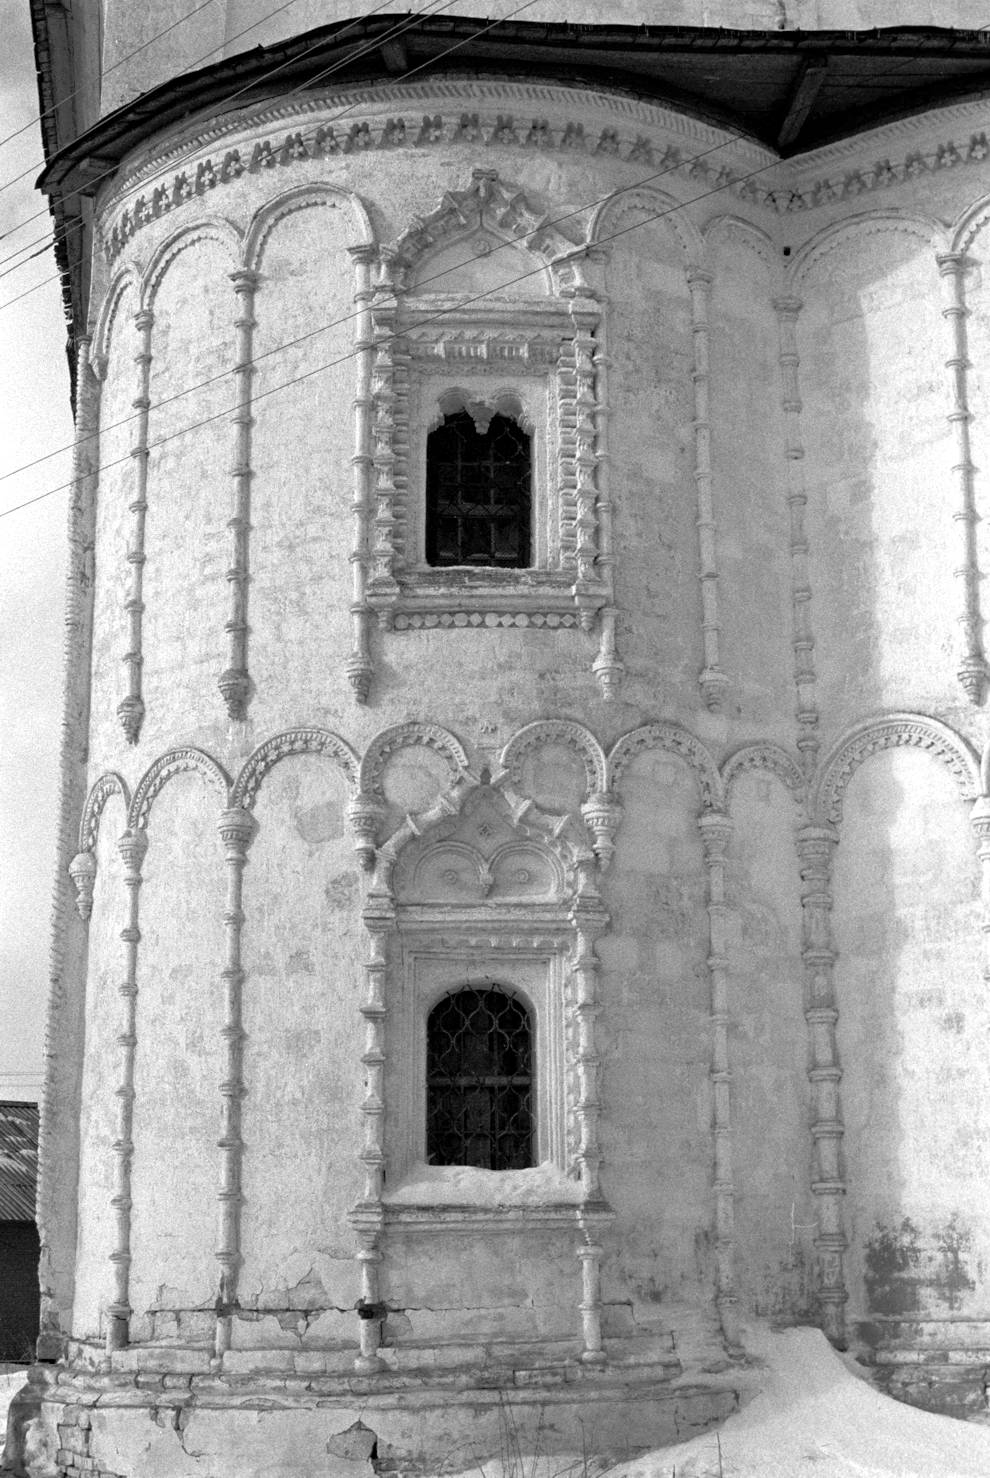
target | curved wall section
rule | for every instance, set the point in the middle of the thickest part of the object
(643, 782)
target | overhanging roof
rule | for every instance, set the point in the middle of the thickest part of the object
(790, 90)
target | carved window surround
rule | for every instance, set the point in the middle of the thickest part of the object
(544, 354)
(436, 958)
(542, 351)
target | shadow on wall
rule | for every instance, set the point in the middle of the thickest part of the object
(912, 1010)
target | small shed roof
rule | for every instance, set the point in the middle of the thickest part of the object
(18, 1160)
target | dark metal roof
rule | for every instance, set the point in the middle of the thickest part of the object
(18, 1160)
(790, 90)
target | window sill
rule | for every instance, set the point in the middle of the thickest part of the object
(467, 596)
(465, 1185)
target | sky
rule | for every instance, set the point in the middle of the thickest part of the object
(35, 419)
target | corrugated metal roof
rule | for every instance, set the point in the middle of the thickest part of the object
(18, 1160)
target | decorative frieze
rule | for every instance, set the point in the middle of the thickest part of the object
(972, 672)
(643, 144)
(235, 681)
(131, 709)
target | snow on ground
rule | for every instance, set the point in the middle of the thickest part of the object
(815, 1416)
(465, 1185)
(10, 1381)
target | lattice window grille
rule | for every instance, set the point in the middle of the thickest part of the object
(479, 1080)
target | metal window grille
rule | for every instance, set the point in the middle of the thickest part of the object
(479, 1047)
(478, 493)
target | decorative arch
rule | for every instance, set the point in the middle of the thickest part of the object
(101, 791)
(175, 762)
(449, 864)
(487, 204)
(673, 739)
(556, 731)
(925, 229)
(969, 225)
(128, 276)
(210, 228)
(772, 760)
(405, 736)
(609, 217)
(279, 747)
(302, 197)
(722, 229)
(893, 731)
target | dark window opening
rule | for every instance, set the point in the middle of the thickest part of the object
(478, 493)
(479, 1046)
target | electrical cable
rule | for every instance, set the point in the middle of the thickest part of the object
(386, 338)
(397, 29)
(55, 237)
(323, 328)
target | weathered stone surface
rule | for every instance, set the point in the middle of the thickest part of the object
(697, 786)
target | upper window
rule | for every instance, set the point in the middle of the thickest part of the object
(478, 491)
(479, 1048)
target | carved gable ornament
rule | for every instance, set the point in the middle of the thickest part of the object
(522, 329)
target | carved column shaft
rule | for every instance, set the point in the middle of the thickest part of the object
(980, 821)
(360, 669)
(237, 830)
(590, 1252)
(584, 412)
(131, 710)
(588, 919)
(235, 683)
(815, 848)
(607, 666)
(382, 586)
(716, 829)
(64, 1015)
(972, 660)
(788, 310)
(368, 1216)
(712, 680)
(133, 846)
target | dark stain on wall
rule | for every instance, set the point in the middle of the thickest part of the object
(951, 1278)
(903, 1264)
(892, 1258)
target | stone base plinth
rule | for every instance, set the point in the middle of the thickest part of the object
(173, 1424)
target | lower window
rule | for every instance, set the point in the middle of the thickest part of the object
(479, 1098)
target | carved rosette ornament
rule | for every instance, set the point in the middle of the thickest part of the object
(82, 871)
